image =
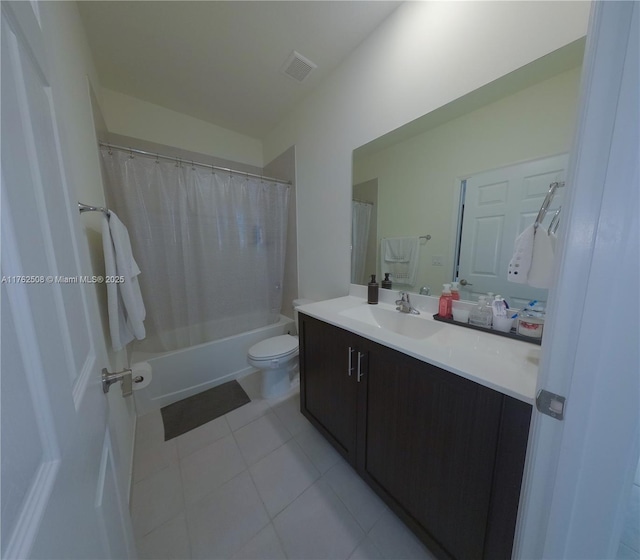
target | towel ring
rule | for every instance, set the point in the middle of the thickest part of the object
(547, 200)
(555, 222)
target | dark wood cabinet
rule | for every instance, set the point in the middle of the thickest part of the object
(445, 453)
(328, 388)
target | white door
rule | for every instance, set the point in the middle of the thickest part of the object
(59, 493)
(498, 206)
(579, 471)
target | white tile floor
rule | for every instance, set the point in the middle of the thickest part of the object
(258, 483)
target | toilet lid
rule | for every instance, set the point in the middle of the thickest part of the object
(280, 346)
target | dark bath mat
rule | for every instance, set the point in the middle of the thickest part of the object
(187, 414)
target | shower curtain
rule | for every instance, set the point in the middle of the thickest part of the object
(210, 245)
(360, 218)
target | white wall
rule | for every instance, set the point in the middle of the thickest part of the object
(129, 116)
(73, 78)
(419, 178)
(424, 55)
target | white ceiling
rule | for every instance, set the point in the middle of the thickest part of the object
(220, 61)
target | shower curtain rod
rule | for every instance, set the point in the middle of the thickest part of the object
(191, 162)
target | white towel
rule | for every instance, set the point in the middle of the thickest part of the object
(124, 300)
(542, 260)
(522, 255)
(400, 249)
(400, 256)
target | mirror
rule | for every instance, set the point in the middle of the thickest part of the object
(412, 179)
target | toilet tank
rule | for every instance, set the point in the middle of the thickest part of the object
(297, 303)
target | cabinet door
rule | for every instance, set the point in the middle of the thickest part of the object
(429, 445)
(328, 387)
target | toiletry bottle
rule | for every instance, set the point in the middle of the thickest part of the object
(487, 314)
(386, 283)
(502, 315)
(455, 291)
(372, 293)
(481, 315)
(499, 307)
(444, 305)
(475, 317)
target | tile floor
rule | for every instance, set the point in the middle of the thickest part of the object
(257, 483)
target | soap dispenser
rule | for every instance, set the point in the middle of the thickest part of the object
(372, 293)
(455, 291)
(444, 305)
(386, 283)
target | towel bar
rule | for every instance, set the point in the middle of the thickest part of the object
(86, 208)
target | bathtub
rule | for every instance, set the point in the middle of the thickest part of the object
(182, 373)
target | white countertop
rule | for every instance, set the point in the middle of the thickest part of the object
(506, 365)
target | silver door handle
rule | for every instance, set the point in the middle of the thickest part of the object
(360, 374)
(109, 379)
(463, 282)
(350, 361)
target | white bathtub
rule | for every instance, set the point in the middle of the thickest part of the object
(182, 373)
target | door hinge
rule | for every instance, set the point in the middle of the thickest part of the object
(550, 404)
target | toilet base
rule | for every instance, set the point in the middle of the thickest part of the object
(275, 382)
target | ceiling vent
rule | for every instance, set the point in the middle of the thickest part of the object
(298, 67)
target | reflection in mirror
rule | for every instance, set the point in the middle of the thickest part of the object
(364, 226)
(504, 143)
(498, 205)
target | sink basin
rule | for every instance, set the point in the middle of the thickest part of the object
(412, 326)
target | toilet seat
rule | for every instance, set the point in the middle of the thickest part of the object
(277, 347)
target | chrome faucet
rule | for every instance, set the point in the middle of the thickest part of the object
(404, 304)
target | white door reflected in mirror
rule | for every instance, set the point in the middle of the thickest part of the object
(498, 206)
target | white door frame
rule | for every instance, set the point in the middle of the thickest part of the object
(579, 471)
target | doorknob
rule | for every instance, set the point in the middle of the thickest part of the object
(463, 282)
(109, 379)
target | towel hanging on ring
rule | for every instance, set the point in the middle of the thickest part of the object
(124, 300)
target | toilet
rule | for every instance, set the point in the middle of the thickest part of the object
(277, 359)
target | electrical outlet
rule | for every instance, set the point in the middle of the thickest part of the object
(436, 261)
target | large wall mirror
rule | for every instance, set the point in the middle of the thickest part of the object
(466, 179)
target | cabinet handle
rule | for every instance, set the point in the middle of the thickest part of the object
(351, 350)
(360, 372)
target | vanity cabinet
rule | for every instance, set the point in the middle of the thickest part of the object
(328, 388)
(445, 453)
